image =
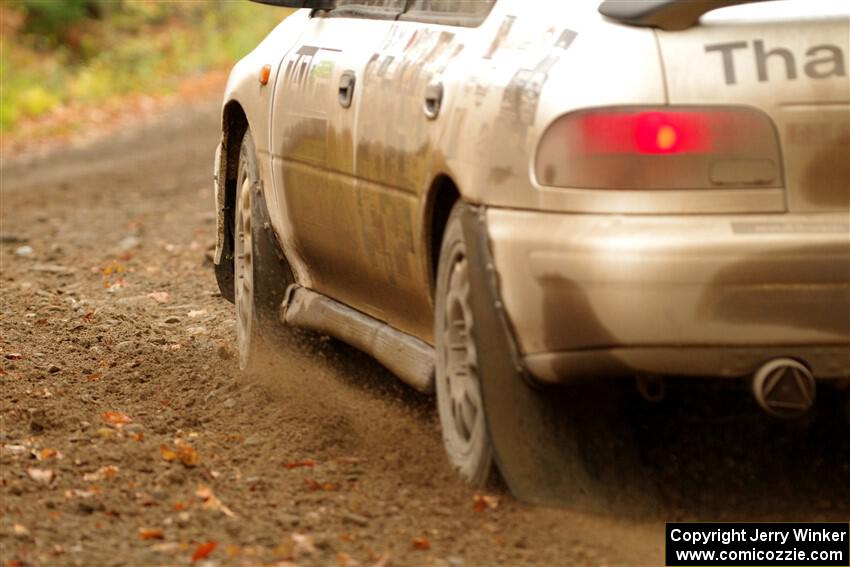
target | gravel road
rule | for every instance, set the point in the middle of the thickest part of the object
(129, 437)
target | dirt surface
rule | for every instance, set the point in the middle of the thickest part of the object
(129, 437)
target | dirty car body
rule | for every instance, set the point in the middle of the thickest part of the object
(645, 193)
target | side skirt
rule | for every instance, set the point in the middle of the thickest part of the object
(408, 357)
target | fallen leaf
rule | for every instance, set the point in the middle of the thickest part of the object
(117, 286)
(115, 418)
(151, 533)
(204, 550)
(188, 455)
(343, 559)
(138, 437)
(167, 454)
(180, 506)
(106, 472)
(481, 502)
(211, 501)
(232, 550)
(299, 464)
(315, 485)
(47, 453)
(41, 476)
(421, 543)
(478, 503)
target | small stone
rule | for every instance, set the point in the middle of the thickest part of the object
(23, 251)
(229, 403)
(53, 369)
(21, 531)
(171, 320)
(128, 243)
(455, 561)
(183, 518)
(38, 420)
(356, 519)
(289, 520)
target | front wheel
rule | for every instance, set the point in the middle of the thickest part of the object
(260, 276)
(459, 401)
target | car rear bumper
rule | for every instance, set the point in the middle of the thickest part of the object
(591, 295)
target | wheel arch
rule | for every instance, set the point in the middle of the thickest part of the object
(442, 195)
(234, 124)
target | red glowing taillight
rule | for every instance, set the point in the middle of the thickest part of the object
(660, 148)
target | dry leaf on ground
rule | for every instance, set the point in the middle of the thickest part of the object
(187, 455)
(315, 485)
(420, 543)
(106, 472)
(47, 453)
(481, 502)
(115, 418)
(204, 550)
(167, 454)
(151, 533)
(211, 501)
(300, 464)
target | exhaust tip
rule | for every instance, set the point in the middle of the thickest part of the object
(784, 388)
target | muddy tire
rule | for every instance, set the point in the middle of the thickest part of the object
(459, 404)
(572, 446)
(261, 275)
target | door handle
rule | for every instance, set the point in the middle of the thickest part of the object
(433, 100)
(346, 88)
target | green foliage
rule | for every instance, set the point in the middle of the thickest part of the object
(52, 19)
(87, 51)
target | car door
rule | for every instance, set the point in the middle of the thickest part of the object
(316, 101)
(400, 121)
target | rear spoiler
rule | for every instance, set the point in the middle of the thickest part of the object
(664, 14)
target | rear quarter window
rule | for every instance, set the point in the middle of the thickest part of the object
(450, 12)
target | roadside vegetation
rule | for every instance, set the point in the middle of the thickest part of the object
(56, 54)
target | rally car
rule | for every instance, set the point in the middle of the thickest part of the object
(505, 201)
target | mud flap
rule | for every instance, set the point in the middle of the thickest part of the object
(273, 274)
(538, 433)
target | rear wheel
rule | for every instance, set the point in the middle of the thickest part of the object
(570, 445)
(260, 276)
